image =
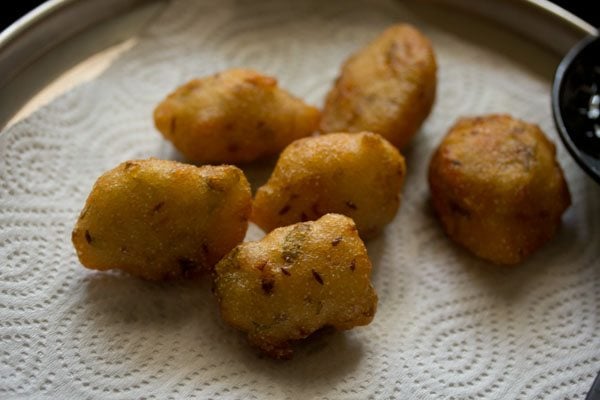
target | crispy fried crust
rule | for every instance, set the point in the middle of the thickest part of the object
(233, 117)
(358, 175)
(161, 219)
(295, 281)
(497, 187)
(388, 87)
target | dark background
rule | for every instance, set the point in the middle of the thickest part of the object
(9, 11)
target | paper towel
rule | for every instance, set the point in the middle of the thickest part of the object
(448, 326)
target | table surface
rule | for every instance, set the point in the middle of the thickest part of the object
(10, 12)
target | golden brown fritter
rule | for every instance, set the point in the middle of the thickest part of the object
(388, 87)
(162, 219)
(497, 187)
(233, 117)
(296, 280)
(358, 175)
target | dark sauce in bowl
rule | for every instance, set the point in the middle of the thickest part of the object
(576, 104)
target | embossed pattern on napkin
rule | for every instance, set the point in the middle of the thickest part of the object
(447, 326)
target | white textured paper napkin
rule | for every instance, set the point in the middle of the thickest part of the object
(448, 325)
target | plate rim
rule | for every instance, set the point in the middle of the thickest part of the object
(26, 41)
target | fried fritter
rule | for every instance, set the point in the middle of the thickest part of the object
(358, 175)
(296, 280)
(497, 187)
(388, 87)
(233, 117)
(162, 219)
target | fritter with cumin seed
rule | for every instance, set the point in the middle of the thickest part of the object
(358, 175)
(497, 187)
(235, 116)
(161, 219)
(296, 280)
(388, 87)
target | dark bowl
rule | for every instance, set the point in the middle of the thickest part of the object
(576, 104)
